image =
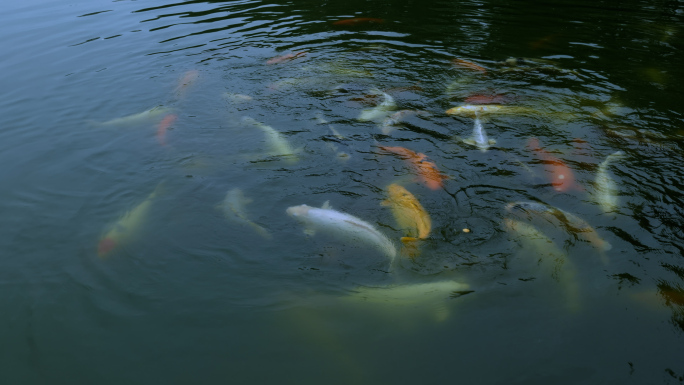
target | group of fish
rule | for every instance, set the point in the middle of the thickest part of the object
(528, 220)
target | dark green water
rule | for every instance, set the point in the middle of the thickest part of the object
(189, 295)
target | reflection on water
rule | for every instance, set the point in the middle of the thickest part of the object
(467, 183)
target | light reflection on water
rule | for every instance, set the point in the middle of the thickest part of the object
(214, 296)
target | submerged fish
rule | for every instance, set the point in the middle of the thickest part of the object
(279, 145)
(396, 118)
(480, 110)
(146, 116)
(164, 126)
(573, 224)
(460, 63)
(284, 58)
(479, 138)
(126, 227)
(184, 83)
(561, 176)
(381, 111)
(341, 155)
(415, 298)
(408, 212)
(327, 219)
(426, 171)
(488, 99)
(233, 207)
(358, 21)
(237, 98)
(541, 250)
(606, 194)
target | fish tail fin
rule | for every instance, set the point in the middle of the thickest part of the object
(91, 123)
(410, 247)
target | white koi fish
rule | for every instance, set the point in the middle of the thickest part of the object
(479, 138)
(381, 111)
(233, 207)
(606, 189)
(279, 145)
(431, 296)
(147, 116)
(480, 110)
(126, 227)
(332, 221)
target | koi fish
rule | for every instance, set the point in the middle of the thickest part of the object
(562, 177)
(479, 138)
(329, 220)
(478, 110)
(381, 111)
(429, 297)
(557, 217)
(164, 126)
(341, 155)
(468, 65)
(396, 118)
(488, 99)
(359, 21)
(185, 82)
(233, 207)
(544, 251)
(237, 98)
(279, 145)
(284, 58)
(146, 116)
(606, 189)
(126, 227)
(427, 171)
(408, 212)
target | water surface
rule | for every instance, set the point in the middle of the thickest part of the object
(198, 294)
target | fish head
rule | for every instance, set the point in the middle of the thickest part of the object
(298, 211)
(398, 193)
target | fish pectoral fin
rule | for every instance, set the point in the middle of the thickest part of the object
(326, 205)
(469, 141)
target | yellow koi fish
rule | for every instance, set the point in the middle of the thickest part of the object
(129, 224)
(409, 213)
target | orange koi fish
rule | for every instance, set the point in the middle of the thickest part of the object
(163, 126)
(358, 21)
(427, 171)
(488, 99)
(468, 65)
(562, 177)
(284, 58)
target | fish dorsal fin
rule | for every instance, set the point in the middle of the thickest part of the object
(326, 205)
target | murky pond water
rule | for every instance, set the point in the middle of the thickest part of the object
(494, 192)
